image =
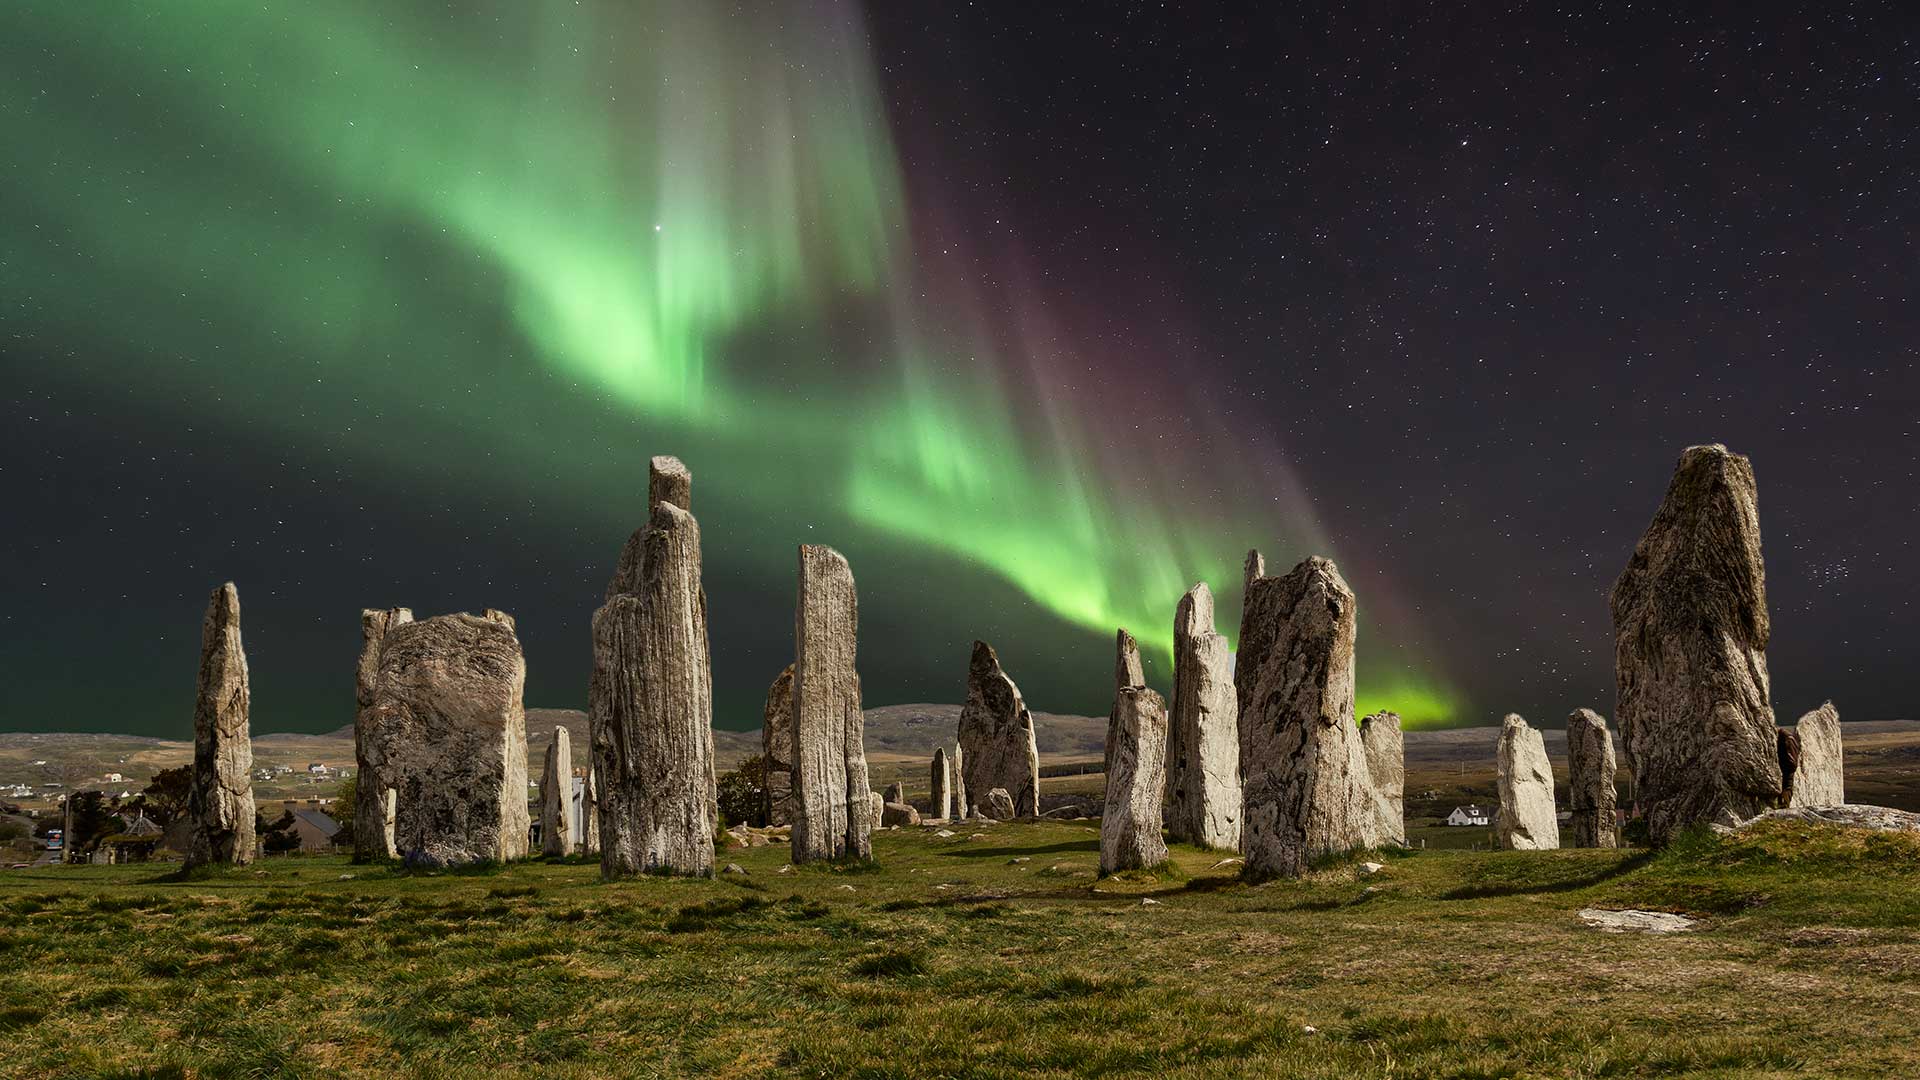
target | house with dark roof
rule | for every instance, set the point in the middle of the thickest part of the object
(315, 830)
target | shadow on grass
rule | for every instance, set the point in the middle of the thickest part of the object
(1487, 891)
(1006, 852)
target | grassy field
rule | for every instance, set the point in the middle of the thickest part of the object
(992, 953)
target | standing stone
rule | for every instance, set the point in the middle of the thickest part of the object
(835, 810)
(996, 736)
(220, 803)
(1820, 776)
(941, 800)
(1590, 792)
(1000, 805)
(1203, 731)
(650, 700)
(876, 805)
(896, 792)
(1136, 763)
(1690, 652)
(776, 747)
(1304, 771)
(556, 797)
(450, 717)
(1381, 737)
(1526, 820)
(956, 771)
(589, 815)
(373, 797)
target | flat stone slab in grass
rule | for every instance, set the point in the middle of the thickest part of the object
(1853, 815)
(1645, 922)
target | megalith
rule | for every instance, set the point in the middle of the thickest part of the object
(220, 803)
(589, 811)
(1526, 820)
(1819, 777)
(1130, 819)
(996, 736)
(1385, 747)
(1203, 731)
(556, 797)
(372, 790)
(650, 698)
(999, 805)
(776, 747)
(450, 718)
(1591, 797)
(1303, 768)
(896, 792)
(940, 801)
(834, 808)
(1690, 652)
(956, 773)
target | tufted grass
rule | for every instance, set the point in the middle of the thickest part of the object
(1446, 964)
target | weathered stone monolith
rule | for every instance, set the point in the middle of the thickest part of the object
(1690, 652)
(372, 791)
(1526, 820)
(449, 714)
(556, 797)
(834, 808)
(956, 771)
(776, 744)
(1386, 751)
(1136, 762)
(1590, 792)
(996, 736)
(999, 805)
(896, 792)
(590, 812)
(1306, 788)
(220, 803)
(1203, 731)
(650, 699)
(940, 782)
(1819, 779)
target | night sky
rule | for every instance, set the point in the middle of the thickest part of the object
(1039, 313)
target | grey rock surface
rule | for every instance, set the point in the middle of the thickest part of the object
(556, 797)
(1819, 777)
(899, 813)
(834, 814)
(373, 792)
(1386, 750)
(1591, 797)
(776, 745)
(940, 783)
(1526, 820)
(1850, 815)
(1130, 820)
(220, 802)
(1203, 731)
(996, 736)
(999, 805)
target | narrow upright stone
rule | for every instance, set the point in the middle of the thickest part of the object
(1526, 820)
(556, 797)
(1136, 759)
(996, 736)
(590, 812)
(941, 784)
(834, 811)
(650, 699)
(1203, 732)
(1690, 652)
(1128, 671)
(1590, 791)
(1387, 768)
(220, 803)
(1307, 791)
(372, 790)
(1820, 776)
(956, 771)
(776, 747)
(450, 717)
(896, 792)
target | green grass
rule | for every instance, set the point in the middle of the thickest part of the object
(957, 959)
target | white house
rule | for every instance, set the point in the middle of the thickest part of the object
(1470, 815)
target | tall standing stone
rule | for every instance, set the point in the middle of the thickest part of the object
(1386, 751)
(956, 771)
(996, 736)
(1690, 652)
(220, 803)
(834, 811)
(556, 797)
(1526, 820)
(896, 792)
(1136, 760)
(589, 813)
(450, 717)
(1306, 788)
(776, 749)
(1203, 731)
(1819, 778)
(941, 785)
(650, 699)
(1591, 796)
(373, 796)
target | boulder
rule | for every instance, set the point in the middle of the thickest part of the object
(1819, 776)
(834, 809)
(1690, 652)
(1203, 731)
(220, 802)
(556, 797)
(1304, 771)
(373, 793)
(1526, 820)
(999, 805)
(450, 715)
(1385, 747)
(776, 745)
(1848, 815)
(1590, 789)
(898, 813)
(650, 698)
(1136, 759)
(940, 781)
(996, 735)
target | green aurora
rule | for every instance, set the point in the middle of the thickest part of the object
(525, 250)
